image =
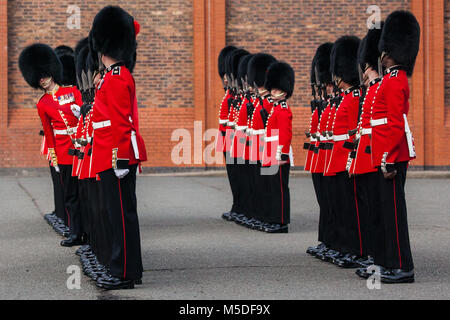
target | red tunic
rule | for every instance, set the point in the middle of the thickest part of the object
(363, 161)
(115, 122)
(312, 129)
(346, 119)
(56, 116)
(240, 138)
(85, 171)
(391, 104)
(257, 128)
(230, 126)
(278, 135)
(330, 141)
(320, 162)
(223, 121)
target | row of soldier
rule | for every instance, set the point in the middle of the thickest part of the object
(91, 138)
(359, 148)
(255, 134)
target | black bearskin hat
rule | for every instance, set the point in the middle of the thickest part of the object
(93, 59)
(80, 45)
(400, 39)
(63, 50)
(368, 53)
(280, 75)
(233, 59)
(113, 33)
(257, 68)
(40, 61)
(222, 59)
(66, 56)
(242, 68)
(344, 58)
(323, 56)
(313, 71)
(82, 61)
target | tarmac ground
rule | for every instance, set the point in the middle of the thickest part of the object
(189, 252)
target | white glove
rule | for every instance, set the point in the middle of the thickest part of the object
(349, 163)
(120, 173)
(57, 169)
(75, 110)
(383, 163)
(278, 154)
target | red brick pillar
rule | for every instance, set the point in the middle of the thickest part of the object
(209, 38)
(3, 64)
(428, 86)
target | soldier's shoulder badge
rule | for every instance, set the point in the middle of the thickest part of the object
(116, 71)
(284, 104)
(394, 74)
(356, 93)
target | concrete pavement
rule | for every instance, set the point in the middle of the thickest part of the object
(189, 252)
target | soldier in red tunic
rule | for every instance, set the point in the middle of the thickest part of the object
(277, 156)
(393, 148)
(239, 147)
(42, 69)
(361, 164)
(223, 118)
(345, 72)
(324, 82)
(234, 167)
(256, 122)
(118, 148)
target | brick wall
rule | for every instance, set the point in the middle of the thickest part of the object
(447, 62)
(294, 37)
(171, 96)
(163, 74)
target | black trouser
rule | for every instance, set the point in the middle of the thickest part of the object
(100, 227)
(277, 195)
(364, 196)
(233, 178)
(327, 213)
(84, 209)
(71, 200)
(391, 247)
(258, 193)
(246, 200)
(345, 214)
(316, 179)
(58, 196)
(121, 207)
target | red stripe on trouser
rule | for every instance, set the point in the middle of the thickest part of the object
(396, 227)
(357, 215)
(124, 236)
(67, 211)
(282, 199)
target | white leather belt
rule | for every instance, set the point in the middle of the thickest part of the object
(271, 139)
(323, 138)
(365, 132)
(409, 138)
(231, 124)
(223, 121)
(313, 139)
(134, 144)
(378, 122)
(241, 128)
(65, 132)
(342, 137)
(99, 125)
(258, 132)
